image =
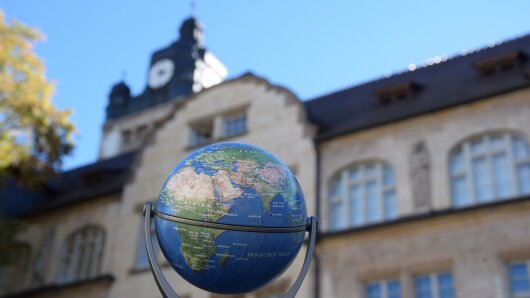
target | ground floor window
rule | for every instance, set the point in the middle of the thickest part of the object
(383, 289)
(519, 277)
(434, 285)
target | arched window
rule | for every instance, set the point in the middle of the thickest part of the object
(82, 255)
(362, 194)
(490, 167)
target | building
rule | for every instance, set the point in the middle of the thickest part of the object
(421, 180)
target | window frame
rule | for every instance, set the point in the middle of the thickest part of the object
(70, 268)
(343, 198)
(235, 118)
(467, 173)
(511, 294)
(196, 136)
(216, 125)
(434, 285)
(384, 284)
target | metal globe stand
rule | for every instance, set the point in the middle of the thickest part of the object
(163, 285)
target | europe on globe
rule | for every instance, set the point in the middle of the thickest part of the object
(232, 184)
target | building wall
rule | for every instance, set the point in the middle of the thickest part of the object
(276, 122)
(440, 131)
(112, 142)
(470, 244)
(57, 225)
(474, 246)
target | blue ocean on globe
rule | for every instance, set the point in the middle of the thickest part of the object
(235, 184)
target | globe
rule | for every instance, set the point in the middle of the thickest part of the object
(232, 184)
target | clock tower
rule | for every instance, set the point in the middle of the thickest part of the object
(182, 68)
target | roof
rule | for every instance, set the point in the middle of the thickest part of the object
(97, 179)
(450, 83)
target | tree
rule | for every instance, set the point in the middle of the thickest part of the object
(34, 135)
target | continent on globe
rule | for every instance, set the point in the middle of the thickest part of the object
(234, 184)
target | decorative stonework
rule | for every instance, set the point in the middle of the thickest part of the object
(420, 175)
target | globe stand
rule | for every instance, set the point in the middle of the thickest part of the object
(163, 285)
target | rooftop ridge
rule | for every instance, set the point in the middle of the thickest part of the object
(425, 65)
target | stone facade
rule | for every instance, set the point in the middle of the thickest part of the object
(474, 245)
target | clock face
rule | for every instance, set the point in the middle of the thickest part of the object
(160, 73)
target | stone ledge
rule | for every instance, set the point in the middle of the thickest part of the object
(421, 216)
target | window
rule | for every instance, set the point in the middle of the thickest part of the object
(13, 276)
(434, 285)
(218, 127)
(83, 252)
(201, 134)
(126, 136)
(141, 131)
(361, 195)
(235, 124)
(500, 63)
(383, 289)
(396, 92)
(489, 167)
(142, 260)
(519, 278)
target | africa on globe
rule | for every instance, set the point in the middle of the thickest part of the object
(230, 184)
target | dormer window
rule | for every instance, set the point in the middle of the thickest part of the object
(499, 63)
(396, 92)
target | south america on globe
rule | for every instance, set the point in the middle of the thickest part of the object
(232, 184)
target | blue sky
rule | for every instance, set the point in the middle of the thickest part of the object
(312, 47)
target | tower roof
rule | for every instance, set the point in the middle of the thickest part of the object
(191, 31)
(174, 71)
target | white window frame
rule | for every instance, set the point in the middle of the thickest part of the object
(434, 286)
(74, 250)
(468, 156)
(518, 295)
(343, 198)
(235, 124)
(383, 283)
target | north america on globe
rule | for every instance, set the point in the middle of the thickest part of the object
(238, 184)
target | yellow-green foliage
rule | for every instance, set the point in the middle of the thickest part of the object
(34, 135)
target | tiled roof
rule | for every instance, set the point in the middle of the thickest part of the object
(97, 179)
(440, 86)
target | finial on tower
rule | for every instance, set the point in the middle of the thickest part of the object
(191, 31)
(193, 5)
